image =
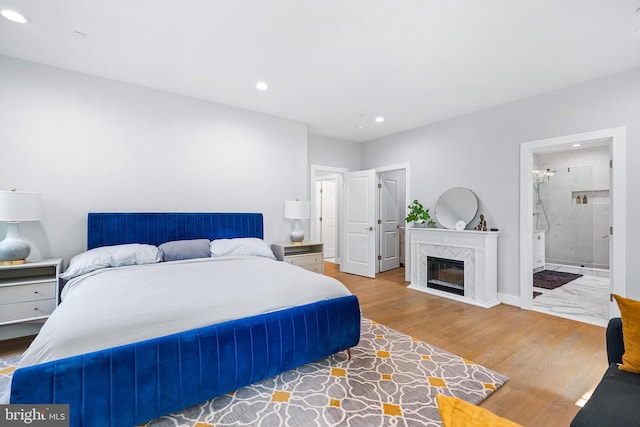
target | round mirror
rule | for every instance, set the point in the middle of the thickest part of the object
(456, 204)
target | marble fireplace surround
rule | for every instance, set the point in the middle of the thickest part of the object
(478, 251)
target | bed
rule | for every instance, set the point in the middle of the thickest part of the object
(139, 381)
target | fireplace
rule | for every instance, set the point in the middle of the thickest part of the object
(445, 275)
(457, 264)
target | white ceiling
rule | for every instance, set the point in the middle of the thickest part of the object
(334, 64)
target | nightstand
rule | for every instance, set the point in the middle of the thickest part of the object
(309, 256)
(28, 291)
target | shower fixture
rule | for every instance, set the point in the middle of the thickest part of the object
(542, 176)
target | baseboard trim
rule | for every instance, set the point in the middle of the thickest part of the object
(509, 299)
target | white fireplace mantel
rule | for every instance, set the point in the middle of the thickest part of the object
(478, 250)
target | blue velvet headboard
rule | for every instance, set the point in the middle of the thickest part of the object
(105, 229)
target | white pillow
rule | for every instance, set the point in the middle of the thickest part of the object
(241, 246)
(111, 256)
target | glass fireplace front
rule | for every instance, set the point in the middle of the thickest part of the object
(445, 275)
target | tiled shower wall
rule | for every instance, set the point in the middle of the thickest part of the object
(579, 232)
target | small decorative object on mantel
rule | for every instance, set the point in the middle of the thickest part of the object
(482, 224)
(419, 215)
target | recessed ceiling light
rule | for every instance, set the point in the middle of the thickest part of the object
(262, 86)
(14, 16)
(379, 119)
(576, 145)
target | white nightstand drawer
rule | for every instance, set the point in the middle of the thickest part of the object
(27, 291)
(317, 268)
(26, 310)
(303, 260)
(309, 256)
(20, 293)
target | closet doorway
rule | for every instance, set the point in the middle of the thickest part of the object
(326, 217)
(326, 204)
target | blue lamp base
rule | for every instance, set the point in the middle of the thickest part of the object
(14, 250)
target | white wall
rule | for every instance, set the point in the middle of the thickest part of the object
(337, 153)
(481, 151)
(91, 144)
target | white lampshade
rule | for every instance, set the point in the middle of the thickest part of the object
(19, 206)
(296, 209)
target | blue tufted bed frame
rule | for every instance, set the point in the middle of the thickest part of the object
(134, 383)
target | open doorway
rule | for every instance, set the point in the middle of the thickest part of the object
(326, 215)
(550, 244)
(571, 223)
(372, 216)
(326, 194)
(362, 225)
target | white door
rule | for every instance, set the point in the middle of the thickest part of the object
(327, 217)
(389, 220)
(359, 231)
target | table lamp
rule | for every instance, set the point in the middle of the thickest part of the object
(17, 207)
(296, 210)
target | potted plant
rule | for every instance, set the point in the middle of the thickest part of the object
(419, 215)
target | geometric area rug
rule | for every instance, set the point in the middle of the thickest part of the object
(391, 379)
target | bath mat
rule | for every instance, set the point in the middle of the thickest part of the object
(548, 279)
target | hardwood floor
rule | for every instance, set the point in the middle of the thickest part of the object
(14, 346)
(551, 362)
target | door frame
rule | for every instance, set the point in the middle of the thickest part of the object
(316, 171)
(618, 185)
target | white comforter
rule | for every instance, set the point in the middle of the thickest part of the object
(123, 305)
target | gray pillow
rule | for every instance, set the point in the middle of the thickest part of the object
(185, 249)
